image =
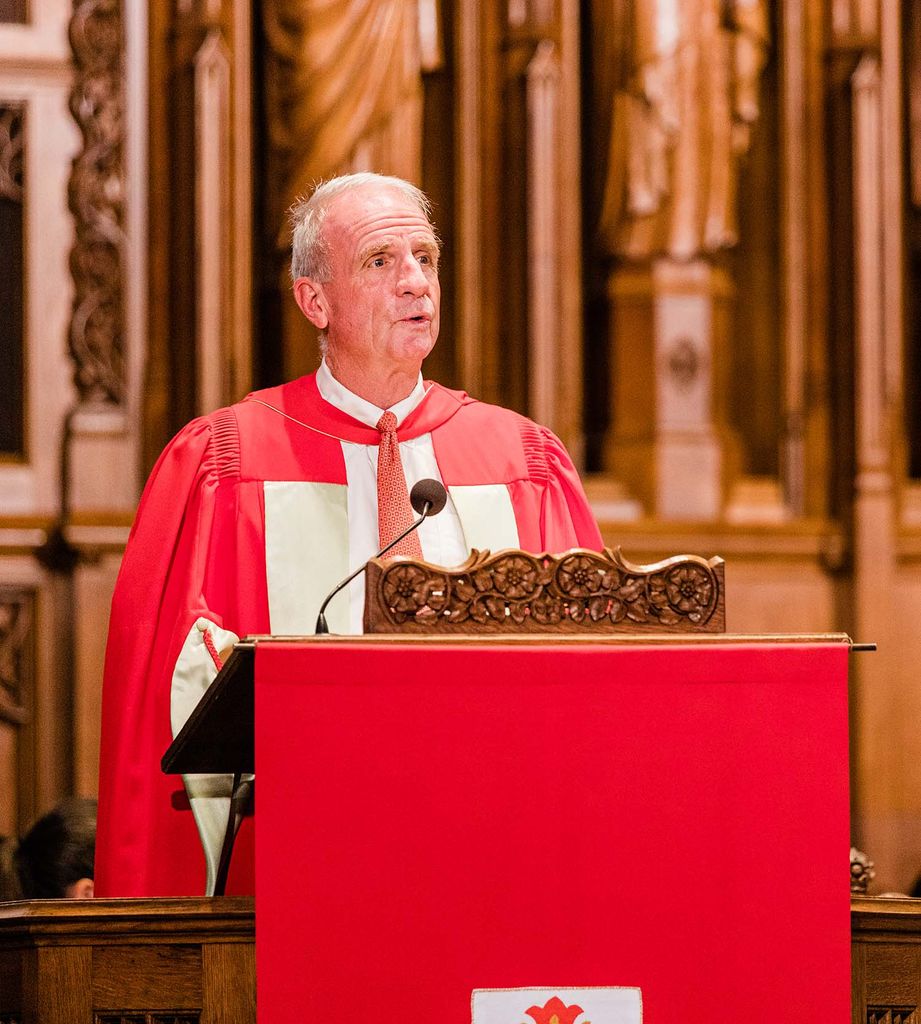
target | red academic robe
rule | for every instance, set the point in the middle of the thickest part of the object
(197, 549)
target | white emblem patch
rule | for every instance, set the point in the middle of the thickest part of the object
(615, 1005)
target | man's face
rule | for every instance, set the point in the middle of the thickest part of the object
(381, 304)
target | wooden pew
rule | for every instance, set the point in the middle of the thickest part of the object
(166, 961)
(885, 960)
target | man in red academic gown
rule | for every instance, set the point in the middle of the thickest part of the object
(254, 513)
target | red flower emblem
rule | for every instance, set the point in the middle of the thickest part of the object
(555, 1011)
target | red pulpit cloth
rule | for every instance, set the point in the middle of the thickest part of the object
(438, 819)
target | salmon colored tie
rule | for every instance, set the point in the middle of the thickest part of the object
(394, 512)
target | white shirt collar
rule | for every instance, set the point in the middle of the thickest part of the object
(358, 408)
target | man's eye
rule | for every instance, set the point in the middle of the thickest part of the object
(378, 261)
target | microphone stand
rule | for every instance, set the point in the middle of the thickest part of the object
(322, 629)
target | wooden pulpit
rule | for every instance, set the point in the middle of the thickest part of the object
(501, 789)
(443, 815)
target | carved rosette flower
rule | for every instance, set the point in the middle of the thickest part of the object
(516, 577)
(579, 576)
(406, 589)
(687, 590)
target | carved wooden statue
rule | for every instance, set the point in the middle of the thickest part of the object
(344, 86)
(681, 115)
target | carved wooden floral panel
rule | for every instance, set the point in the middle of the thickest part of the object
(12, 290)
(97, 201)
(580, 591)
(17, 685)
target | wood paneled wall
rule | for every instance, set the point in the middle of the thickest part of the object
(36, 751)
(743, 386)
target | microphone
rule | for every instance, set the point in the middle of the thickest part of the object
(428, 497)
(426, 493)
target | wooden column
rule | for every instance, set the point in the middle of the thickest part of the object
(669, 381)
(519, 293)
(200, 213)
(887, 781)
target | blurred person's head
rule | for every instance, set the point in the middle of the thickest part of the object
(55, 857)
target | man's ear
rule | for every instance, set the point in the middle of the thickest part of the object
(308, 294)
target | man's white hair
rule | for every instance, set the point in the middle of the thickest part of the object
(310, 255)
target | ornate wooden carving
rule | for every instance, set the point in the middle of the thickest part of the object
(11, 137)
(580, 591)
(680, 122)
(892, 1015)
(862, 873)
(97, 201)
(16, 656)
(12, 298)
(362, 110)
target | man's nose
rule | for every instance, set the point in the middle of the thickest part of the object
(413, 279)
